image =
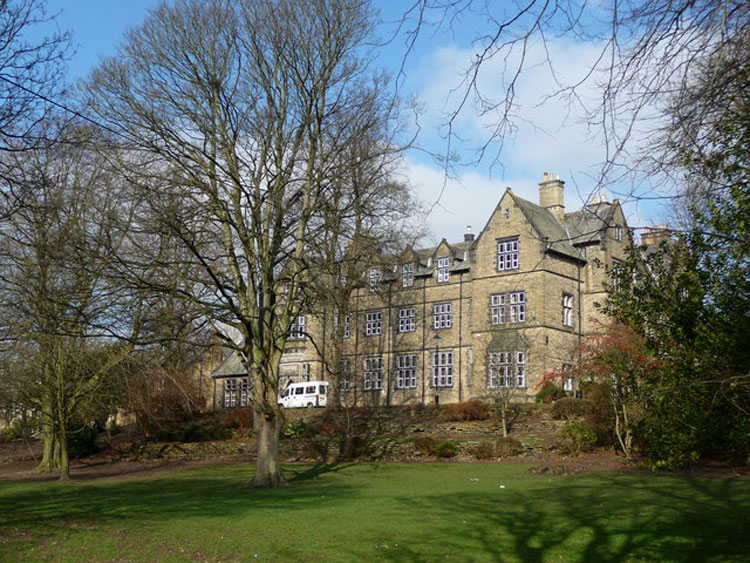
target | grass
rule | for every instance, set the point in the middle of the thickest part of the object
(388, 512)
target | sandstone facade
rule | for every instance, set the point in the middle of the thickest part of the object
(470, 319)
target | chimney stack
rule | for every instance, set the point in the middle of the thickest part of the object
(468, 235)
(551, 195)
(654, 235)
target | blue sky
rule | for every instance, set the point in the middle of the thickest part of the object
(549, 137)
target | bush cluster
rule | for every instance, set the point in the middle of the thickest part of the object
(81, 439)
(483, 450)
(508, 447)
(23, 428)
(567, 408)
(347, 433)
(294, 429)
(550, 393)
(576, 437)
(468, 410)
(425, 445)
(240, 420)
(600, 416)
(206, 428)
(446, 448)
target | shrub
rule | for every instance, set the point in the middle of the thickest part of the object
(315, 448)
(549, 393)
(294, 429)
(416, 409)
(23, 428)
(240, 420)
(665, 444)
(484, 450)
(425, 445)
(567, 408)
(468, 410)
(446, 448)
(576, 437)
(354, 447)
(203, 429)
(508, 447)
(600, 417)
(81, 439)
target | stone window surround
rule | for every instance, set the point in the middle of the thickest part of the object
(442, 315)
(406, 371)
(407, 275)
(567, 310)
(407, 319)
(508, 250)
(443, 269)
(441, 369)
(373, 370)
(373, 323)
(508, 307)
(506, 367)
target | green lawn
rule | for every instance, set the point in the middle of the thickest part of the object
(393, 512)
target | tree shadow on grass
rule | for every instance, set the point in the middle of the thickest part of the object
(317, 470)
(50, 507)
(613, 518)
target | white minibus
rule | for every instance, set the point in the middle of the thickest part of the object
(306, 394)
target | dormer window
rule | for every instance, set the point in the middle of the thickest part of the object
(443, 270)
(373, 278)
(407, 275)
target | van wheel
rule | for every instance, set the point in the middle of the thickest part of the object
(310, 405)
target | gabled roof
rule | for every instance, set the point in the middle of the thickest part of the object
(548, 227)
(231, 366)
(588, 224)
(459, 253)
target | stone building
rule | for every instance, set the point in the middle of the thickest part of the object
(468, 319)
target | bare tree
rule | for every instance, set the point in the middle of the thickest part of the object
(30, 69)
(648, 53)
(56, 308)
(236, 115)
(505, 400)
(371, 218)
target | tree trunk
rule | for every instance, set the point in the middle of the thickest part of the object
(621, 430)
(268, 470)
(64, 459)
(505, 425)
(49, 459)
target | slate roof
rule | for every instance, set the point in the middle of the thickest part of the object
(587, 225)
(231, 366)
(549, 228)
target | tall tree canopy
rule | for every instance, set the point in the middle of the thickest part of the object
(237, 118)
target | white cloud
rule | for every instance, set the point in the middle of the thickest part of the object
(551, 134)
(460, 202)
